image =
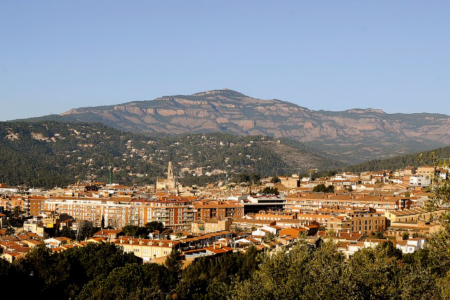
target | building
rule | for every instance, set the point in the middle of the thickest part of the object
(109, 234)
(413, 215)
(168, 184)
(56, 242)
(147, 249)
(205, 210)
(275, 215)
(115, 212)
(174, 212)
(257, 203)
(411, 245)
(316, 201)
(426, 171)
(420, 180)
(290, 182)
(367, 222)
(352, 221)
(212, 225)
(293, 232)
(36, 205)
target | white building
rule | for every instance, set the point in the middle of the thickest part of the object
(420, 180)
(411, 245)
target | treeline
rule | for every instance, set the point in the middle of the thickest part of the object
(103, 271)
(398, 162)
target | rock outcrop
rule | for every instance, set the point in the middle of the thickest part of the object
(352, 136)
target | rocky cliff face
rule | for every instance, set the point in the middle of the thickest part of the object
(352, 136)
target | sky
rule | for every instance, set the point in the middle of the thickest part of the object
(330, 55)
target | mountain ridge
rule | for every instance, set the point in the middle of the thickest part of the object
(352, 136)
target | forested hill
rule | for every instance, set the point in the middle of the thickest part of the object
(48, 154)
(402, 161)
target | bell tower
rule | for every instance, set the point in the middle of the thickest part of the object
(170, 171)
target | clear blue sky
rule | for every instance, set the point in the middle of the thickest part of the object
(333, 55)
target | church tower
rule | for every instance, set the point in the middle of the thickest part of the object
(170, 172)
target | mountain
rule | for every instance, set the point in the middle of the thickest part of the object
(351, 136)
(48, 154)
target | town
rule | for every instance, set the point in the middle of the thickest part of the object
(355, 211)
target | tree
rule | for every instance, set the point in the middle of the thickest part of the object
(68, 233)
(103, 222)
(135, 231)
(17, 211)
(441, 192)
(405, 236)
(270, 191)
(132, 281)
(86, 230)
(269, 237)
(10, 231)
(321, 188)
(373, 273)
(173, 264)
(379, 234)
(275, 179)
(154, 225)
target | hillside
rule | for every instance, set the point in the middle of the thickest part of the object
(48, 154)
(352, 136)
(401, 161)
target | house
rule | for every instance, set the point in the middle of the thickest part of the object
(352, 237)
(292, 232)
(108, 234)
(56, 242)
(262, 231)
(210, 225)
(420, 180)
(147, 249)
(411, 245)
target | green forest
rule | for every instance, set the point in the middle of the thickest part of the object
(48, 154)
(398, 162)
(104, 271)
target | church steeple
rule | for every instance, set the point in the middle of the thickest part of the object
(170, 171)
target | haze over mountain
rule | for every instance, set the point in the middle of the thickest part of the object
(351, 136)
